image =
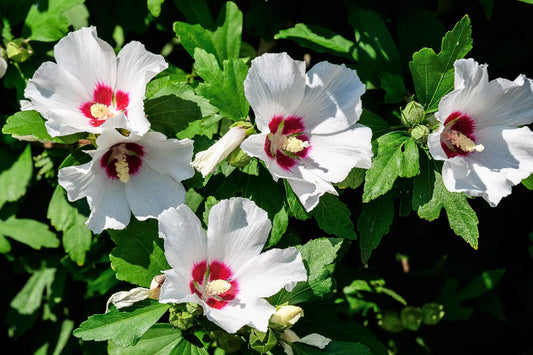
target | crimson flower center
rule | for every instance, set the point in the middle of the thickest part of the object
(286, 143)
(213, 283)
(458, 137)
(122, 160)
(104, 104)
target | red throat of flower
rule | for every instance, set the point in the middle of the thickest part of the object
(213, 283)
(286, 143)
(122, 161)
(105, 104)
(458, 137)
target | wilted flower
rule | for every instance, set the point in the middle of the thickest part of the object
(224, 270)
(485, 152)
(206, 161)
(135, 174)
(309, 133)
(89, 85)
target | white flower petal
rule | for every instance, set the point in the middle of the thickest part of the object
(136, 67)
(185, 240)
(88, 58)
(310, 189)
(76, 180)
(333, 156)
(332, 99)
(176, 289)
(108, 204)
(469, 73)
(269, 272)
(274, 85)
(237, 231)
(57, 95)
(170, 157)
(316, 340)
(234, 316)
(149, 193)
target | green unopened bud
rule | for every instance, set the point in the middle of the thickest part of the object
(262, 341)
(19, 50)
(432, 313)
(420, 133)
(230, 343)
(391, 322)
(413, 114)
(181, 319)
(286, 316)
(238, 158)
(411, 317)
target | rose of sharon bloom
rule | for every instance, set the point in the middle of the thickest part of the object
(90, 85)
(309, 133)
(141, 174)
(224, 270)
(485, 152)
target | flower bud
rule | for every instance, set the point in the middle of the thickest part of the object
(286, 316)
(420, 133)
(206, 161)
(3, 62)
(432, 313)
(411, 317)
(412, 114)
(181, 319)
(19, 50)
(262, 341)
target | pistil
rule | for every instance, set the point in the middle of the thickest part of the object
(101, 111)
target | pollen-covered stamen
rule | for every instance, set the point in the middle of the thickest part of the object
(121, 165)
(122, 161)
(101, 111)
(295, 145)
(217, 287)
(461, 141)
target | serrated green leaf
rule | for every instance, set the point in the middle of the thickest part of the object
(154, 6)
(122, 328)
(430, 196)
(279, 226)
(433, 74)
(139, 254)
(29, 299)
(196, 11)
(333, 216)
(160, 339)
(15, 177)
(66, 218)
(223, 88)
(316, 254)
(397, 157)
(47, 22)
(224, 42)
(374, 222)
(30, 232)
(319, 39)
(296, 208)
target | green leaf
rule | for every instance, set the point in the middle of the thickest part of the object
(430, 196)
(296, 208)
(316, 254)
(318, 39)
(354, 179)
(333, 216)
(374, 222)
(139, 254)
(173, 105)
(528, 182)
(378, 125)
(527, 1)
(223, 88)
(160, 339)
(224, 43)
(29, 299)
(433, 74)
(394, 87)
(122, 328)
(279, 226)
(26, 123)
(47, 20)
(66, 218)
(397, 157)
(196, 11)
(376, 53)
(30, 232)
(15, 176)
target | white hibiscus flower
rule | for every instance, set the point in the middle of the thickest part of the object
(309, 133)
(224, 270)
(89, 85)
(485, 151)
(136, 174)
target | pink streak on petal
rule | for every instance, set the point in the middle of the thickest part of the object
(274, 123)
(284, 161)
(122, 100)
(293, 124)
(198, 272)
